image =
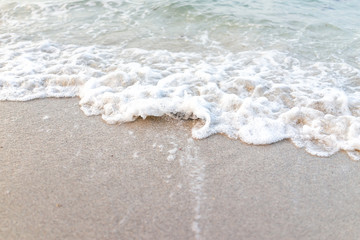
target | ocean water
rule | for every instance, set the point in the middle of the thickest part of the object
(260, 71)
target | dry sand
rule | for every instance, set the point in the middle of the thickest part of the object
(67, 176)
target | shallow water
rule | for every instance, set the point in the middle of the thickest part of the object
(260, 71)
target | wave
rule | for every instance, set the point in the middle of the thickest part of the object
(259, 97)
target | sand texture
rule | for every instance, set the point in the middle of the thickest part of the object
(67, 176)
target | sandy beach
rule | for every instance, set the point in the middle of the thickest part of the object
(67, 176)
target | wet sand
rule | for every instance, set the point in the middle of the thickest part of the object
(67, 176)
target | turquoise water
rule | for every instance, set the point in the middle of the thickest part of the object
(260, 71)
(316, 29)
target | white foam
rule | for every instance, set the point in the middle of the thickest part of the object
(259, 97)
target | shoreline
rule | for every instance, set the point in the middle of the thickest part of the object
(65, 175)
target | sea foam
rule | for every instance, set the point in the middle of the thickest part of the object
(260, 77)
(259, 97)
